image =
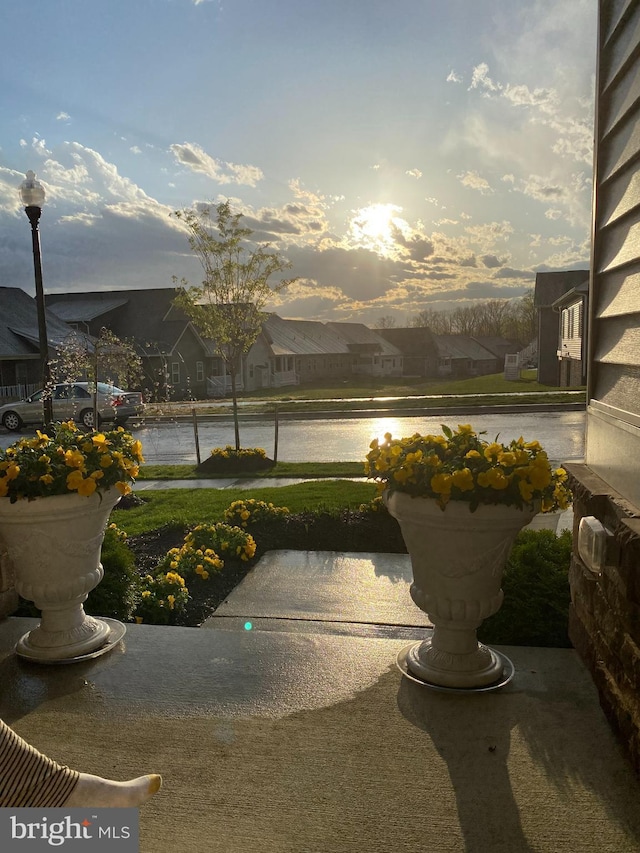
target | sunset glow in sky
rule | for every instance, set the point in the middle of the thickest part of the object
(401, 155)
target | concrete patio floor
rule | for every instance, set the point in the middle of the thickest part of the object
(284, 726)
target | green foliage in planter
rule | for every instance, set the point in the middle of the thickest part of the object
(117, 594)
(163, 599)
(536, 593)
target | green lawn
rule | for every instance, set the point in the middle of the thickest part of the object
(319, 396)
(186, 507)
(282, 469)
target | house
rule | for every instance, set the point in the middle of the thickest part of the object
(551, 286)
(20, 365)
(292, 352)
(175, 359)
(499, 347)
(605, 566)
(179, 362)
(572, 353)
(460, 356)
(418, 348)
(373, 354)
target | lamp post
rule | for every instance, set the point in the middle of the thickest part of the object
(32, 195)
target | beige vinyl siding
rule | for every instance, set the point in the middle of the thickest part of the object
(613, 418)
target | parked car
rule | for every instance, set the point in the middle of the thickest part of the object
(74, 401)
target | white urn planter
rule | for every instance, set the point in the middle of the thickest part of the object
(457, 558)
(54, 544)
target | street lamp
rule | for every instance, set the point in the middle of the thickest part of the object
(32, 195)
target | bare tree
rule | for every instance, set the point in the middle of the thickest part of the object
(228, 307)
(387, 321)
(436, 321)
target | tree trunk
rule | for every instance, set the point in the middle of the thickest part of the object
(234, 397)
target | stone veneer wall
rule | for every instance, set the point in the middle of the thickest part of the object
(604, 617)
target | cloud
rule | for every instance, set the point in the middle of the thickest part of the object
(480, 79)
(414, 173)
(491, 261)
(452, 77)
(194, 157)
(62, 116)
(475, 182)
(135, 149)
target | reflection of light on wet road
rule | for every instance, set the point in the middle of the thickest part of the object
(348, 439)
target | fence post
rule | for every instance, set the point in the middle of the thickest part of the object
(195, 434)
(275, 433)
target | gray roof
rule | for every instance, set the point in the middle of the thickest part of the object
(144, 315)
(361, 338)
(302, 337)
(19, 336)
(497, 345)
(84, 310)
(460, 346)
(413, 341)
(572, 295)
(550, 286)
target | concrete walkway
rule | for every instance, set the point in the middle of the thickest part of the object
(284, 726)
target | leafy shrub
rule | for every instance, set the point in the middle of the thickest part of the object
(163, 598)
(117, 593)
(206, 548)
(536, 593)
(250, 512)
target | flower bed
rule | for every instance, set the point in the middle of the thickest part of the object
(228, 460)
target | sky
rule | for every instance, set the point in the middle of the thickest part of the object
(420, 154)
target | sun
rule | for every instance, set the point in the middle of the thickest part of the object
(377, 227)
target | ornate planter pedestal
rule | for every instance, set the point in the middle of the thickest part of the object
(54, 545)
(457, 558)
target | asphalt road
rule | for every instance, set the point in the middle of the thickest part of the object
(348, 439)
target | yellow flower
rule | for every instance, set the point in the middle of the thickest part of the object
(12, 471)
(507, 459)
(441, 483)
(492, 451)
(465, 429)
(74, 458)
(100, 440)
(47, 479)
(106, 461)
(145, 593)
(526, 490)
(463, 479)
(123, 488)
(172, 601)
(473, 454)
(87, 487)
(74, 479)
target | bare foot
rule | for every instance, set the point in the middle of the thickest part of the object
(95, 792)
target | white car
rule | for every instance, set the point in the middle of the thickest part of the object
(74, 401)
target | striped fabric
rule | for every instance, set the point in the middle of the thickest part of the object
(29, 779)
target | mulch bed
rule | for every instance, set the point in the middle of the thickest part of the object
(306, 531)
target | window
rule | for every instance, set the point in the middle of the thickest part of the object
(175, 372)
(199, 371)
